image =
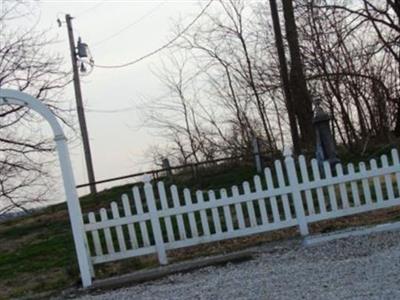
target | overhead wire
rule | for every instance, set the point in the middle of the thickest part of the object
(160, 48)
(137, 21)
(111, 111)
(91, 8)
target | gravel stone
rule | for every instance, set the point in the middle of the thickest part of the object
(364, 267)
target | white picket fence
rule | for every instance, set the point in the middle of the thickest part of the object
(155, 220)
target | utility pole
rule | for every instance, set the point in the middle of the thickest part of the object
(79, 107)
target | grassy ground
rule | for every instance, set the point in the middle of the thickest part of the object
(37, 255)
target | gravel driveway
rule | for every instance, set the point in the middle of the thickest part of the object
(366, 267)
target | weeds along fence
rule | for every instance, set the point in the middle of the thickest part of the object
(294, 192)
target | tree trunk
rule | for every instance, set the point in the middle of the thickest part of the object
(301, 98)
(285, 77)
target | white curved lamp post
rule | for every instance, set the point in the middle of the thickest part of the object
(8, 96)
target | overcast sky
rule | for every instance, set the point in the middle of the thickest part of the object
(116, 32)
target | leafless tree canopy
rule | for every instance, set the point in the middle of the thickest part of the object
(229, 78)
(224, 82)
(25, 151)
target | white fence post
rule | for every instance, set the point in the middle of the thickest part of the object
(155, 222)
(298, 201)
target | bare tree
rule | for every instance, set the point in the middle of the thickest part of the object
(25, 152)
(299, 91)
(347, 63)
(237, 86)
(283, 70)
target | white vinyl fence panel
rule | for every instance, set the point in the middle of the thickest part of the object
(155, 219)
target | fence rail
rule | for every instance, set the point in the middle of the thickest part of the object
(258, 157)
(155, 172)
(155, 219)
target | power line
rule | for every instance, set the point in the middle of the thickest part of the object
(111, 111)
(146, 15)
(91, 8)
(160, 48)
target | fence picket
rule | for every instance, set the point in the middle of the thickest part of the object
(164, 205)
(281, 184)
(179, 217)
(331, 188)
(107, 232)
(261, 202)
(296, 195)
(342, 188)
(250, 205)
(274, 204)
(227, 211)
(128, 213)
(238, 208)
(95, 235)
(118, 228)
(377, 183)
(320, 192)
(365, 185)
(388, 180)
(203, 213)
(306, 179)
(155, 223)
(354, 187)
(214, 213)
(288, 188)
(396, 162)
(139, 208)
(192, 220)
